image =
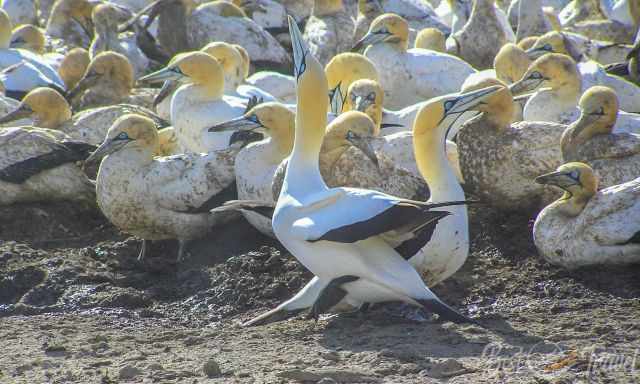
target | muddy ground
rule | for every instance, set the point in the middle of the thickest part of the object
(76, 307)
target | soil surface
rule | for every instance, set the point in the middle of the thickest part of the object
(77, 306)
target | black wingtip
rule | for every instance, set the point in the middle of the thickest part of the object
(446, 312)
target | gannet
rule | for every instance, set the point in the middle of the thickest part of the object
(346, 248)
(200, 103)
(557, 83)
(481, 37)
(342, 70)
(528, 18)
(109, 79)
(409, 76)
(234, 69)
(70, 21)
(615, 157)
(499, 159)
(431, 38)
(209, 23)
(28, 37)
(105, 19)
(40, 165)
(21, 12)
(158, 198)
(46, 108)
(598, 20)
(586, 226)
(9, 58)
(628, 68)
(329, 30)
(73, 66)
(419, 16)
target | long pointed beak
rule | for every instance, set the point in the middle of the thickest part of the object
(470, 100)
(369, 39)
(300, 49)
(534, 53)
(164, 74)
(167, 89)
(390, 125)
(107, 147)
(240, 139)
(365, 144)
(242, 123)
(525, 85)
(85, 83)
(23, 111)
(558, 178)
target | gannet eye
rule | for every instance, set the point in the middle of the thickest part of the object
(122, 136)
(547, 47)
(351, 135)
(535, 76)
(371, 97)
(448, 105)
(575, 175)
(254, 119)
(177, 69)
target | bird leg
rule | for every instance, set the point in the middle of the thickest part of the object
(143, 251)
(330, 296)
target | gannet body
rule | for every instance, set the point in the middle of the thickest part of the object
(70, 21)
(586, 226)
(40, 165)
(414, 75)
(158, 197)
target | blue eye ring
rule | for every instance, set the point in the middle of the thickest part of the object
(449, 104)
(122, 136)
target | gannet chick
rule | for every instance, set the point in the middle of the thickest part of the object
(40, 165)
(480, 39)
(73, 66)
(70, 21)
(615, 157)
(21, 12)
(109, 80)
(499, 159)
(234, 72)
(209, 23)
(105, 20)
(431, 38)
(48, 109)
(342, 70)
(409, 76)
(586, 226)
(158, 198)
(310, 220)
(200, 102)
(329, 30)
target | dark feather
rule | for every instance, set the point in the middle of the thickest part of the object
(66, 152)
(635, 239)
(14, 94)
(618, 69)
(330, 296)
(230, 192)
(149, 46)
(408, 248)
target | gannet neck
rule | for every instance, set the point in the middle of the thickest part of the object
(5, 30)
(231, 61)
(205, 73)
(569, 204)
(246, 60)
(326, 7)
(279, 123)
(429, 134)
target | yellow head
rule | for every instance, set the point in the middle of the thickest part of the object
(28, 37)
(105, 18)
(553, 42)
(598, 115)
(579, 183)
(246, 60)
(528, 42)
(388, 28)
(352, 128)
(129, 132)
(345, 68)
(366, 96)
(45, 106)
(555, 71)
(73, 66)
(5, 29)
(431, 38)
(230, 60)
(498, 108)
(111, 69)
(511, 63)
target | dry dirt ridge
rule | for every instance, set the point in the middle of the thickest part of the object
(76, 307)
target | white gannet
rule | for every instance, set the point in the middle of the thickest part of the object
(329, 30)
(558, 85)
(344, 248)
(105, 19)
(615, 157)
(21, 11)
(73, 66)
(414, 75)
(40, 165)
(342, 70)
(200, 103)
(480, 39)
(70, 21)
(48, 109)
(222, 21)
(586, 226)
(108, 80)
(499, 159)
(158, 198)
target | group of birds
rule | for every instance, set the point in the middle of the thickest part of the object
(363, 159)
